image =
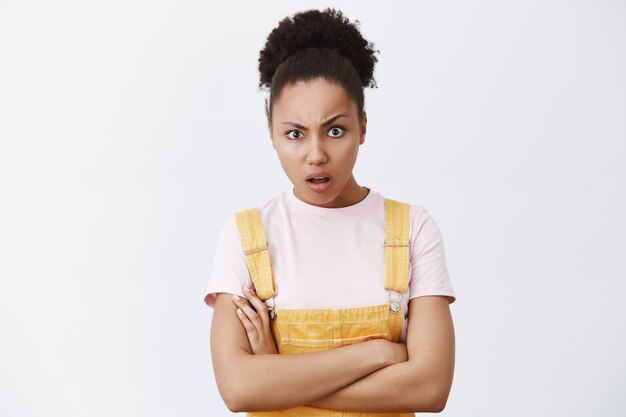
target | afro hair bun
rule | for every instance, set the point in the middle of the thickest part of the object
(317, 29)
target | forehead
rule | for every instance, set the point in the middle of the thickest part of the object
(313, 100)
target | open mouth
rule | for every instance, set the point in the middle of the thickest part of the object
(318, 180)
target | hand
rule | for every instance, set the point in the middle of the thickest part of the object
(393, 352)
(399, 352)
(256, 322)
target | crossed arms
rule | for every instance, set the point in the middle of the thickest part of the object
(372, 376)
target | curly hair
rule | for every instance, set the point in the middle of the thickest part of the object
(314, 44)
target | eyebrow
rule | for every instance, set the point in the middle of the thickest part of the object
(326, 123)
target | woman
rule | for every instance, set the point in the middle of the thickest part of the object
(329, 296)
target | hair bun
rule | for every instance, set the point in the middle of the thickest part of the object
(319, 29)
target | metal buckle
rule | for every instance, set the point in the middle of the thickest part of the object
(270, 309)
(394, 306)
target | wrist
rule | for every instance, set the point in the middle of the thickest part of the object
(382, 352)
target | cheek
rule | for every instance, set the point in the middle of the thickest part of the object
(288, 159)
(288, 154)
(349, 152)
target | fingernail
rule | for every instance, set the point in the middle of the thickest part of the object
(246, 289)
(236, 297)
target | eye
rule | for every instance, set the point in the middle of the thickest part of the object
(296, 132)
(336, 132)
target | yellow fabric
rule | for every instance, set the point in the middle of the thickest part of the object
(311, 330)
(397, 223)
(255, 247)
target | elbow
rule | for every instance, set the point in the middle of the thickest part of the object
(439, 403)
(234, 400)
(438, 398)
(235, 407)
(432, 388)
(230, 398)
(429, 397)
(232, 403)
(234, 393)
(237, 393)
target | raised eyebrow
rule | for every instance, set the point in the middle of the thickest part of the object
(326, 123)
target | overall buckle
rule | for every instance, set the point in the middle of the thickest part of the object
(394, 306)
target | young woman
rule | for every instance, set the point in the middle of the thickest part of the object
(328, 297)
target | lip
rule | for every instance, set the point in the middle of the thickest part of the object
(321, 187)
(318, 174)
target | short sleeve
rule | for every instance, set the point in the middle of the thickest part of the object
(428, 272)
(230, 271)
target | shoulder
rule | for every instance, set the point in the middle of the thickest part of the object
(228, 237)
(421, 220)
(269, 210)
(419, 215)
(424, 230)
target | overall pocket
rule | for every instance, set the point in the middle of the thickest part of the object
(295, 345)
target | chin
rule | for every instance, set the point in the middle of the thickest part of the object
(320, 198)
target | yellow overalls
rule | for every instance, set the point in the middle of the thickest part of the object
(310, 330)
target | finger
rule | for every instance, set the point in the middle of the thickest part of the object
(259, 306)
(247, 325)
(242, 303)
(264, 325)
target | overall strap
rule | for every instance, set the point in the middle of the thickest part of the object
(397, 223)
(252, 235)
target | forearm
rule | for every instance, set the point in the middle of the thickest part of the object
(401, 387)
(277, 382)
(420, 384)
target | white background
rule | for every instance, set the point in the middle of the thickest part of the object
(131, 130)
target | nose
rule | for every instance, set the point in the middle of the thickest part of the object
(316, 151)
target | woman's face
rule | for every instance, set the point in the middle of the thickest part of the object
(315, 129)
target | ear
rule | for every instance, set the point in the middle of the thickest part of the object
(269, 128)
(363, 128)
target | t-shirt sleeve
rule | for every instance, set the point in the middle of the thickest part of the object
(230, 270)
(428, 270)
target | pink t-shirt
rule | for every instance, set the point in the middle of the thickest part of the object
(332, 257)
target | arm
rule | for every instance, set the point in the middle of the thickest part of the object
(249, 382)
(422, 384)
